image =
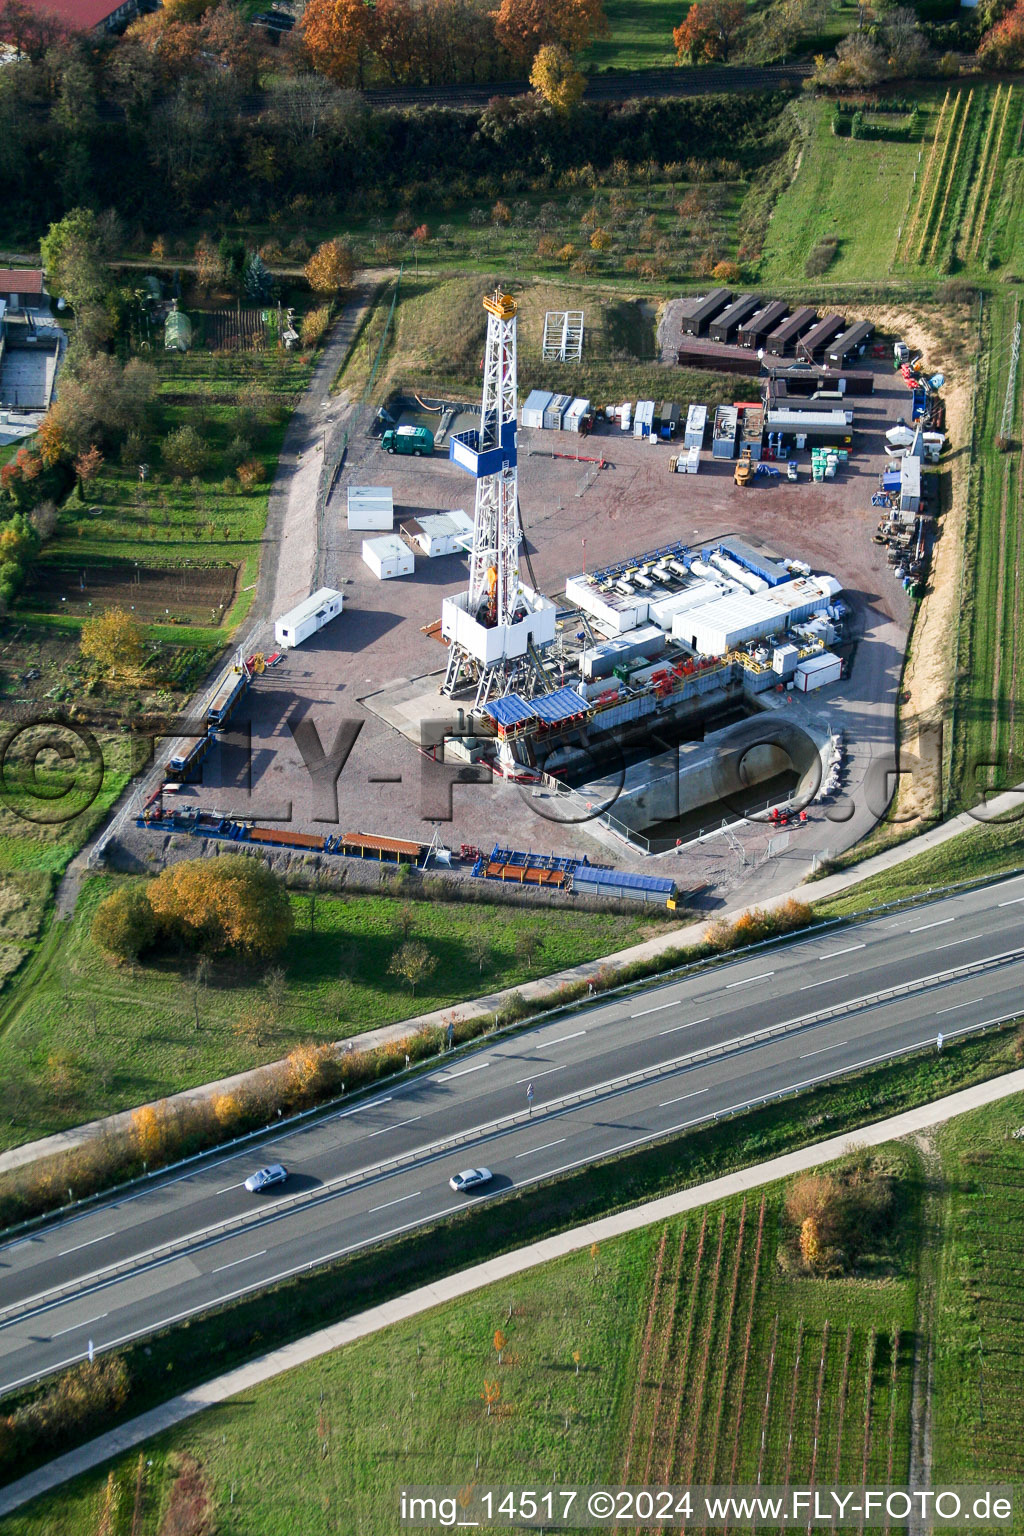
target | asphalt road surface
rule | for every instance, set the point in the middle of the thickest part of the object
(603, 1080)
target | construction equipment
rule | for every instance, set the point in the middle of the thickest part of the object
(744, 472)
(767, 472)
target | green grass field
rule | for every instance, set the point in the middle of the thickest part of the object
(131, 1035)
(700, 1358)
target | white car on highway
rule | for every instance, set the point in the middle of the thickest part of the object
(470, 1178)
(276, 1173)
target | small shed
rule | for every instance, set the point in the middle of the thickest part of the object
(308, 617)
(536, 403)
(177, 332)
(388, 557)
(371, 508)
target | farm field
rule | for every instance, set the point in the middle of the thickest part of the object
(84, 1040)
(682, 1351)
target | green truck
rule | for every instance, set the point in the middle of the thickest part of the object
(417, 440)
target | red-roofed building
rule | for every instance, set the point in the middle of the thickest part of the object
(22, 288)
(90, 15)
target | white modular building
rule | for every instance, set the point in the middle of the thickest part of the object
(717, 627)
(536, 403)
(371, 508)
(388, 557)
(307, 617)
(615, 611)
(696, 426)
(439, 533)
(575, 414)
(817, 672)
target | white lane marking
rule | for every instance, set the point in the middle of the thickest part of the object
(228, 1187)
(546, 1073)
(644, 1011)
(666, 1102)
(834, 954)
(560, 1041)
(748, 979)
(374, 1104)
(89, 1320)
(401, 1199)
(243, 1260)
(823, 1049)
(396, 1127)
(824, 982)
(953, 1008)
(1015, 902)
(444, 1077)
(971, 939)
(102, 1237)
(677, 1027)
(940, 924)
(531, 1150)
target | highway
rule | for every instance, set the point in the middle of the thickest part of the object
(604, 1079)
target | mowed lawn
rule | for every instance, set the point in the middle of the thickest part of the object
(855, 189)
(130, 1035)
(698, 1360)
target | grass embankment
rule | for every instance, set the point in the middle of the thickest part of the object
(989, 713)
(85, 1040)
(982, 853)
(438, 334)
(699, 1357)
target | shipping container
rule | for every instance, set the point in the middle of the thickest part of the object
(698, 352)
(388, 557)
(670, 416)
(371, 508)
(753, 333)
(751, 559)
(822, 335)
(555, 410)
(537, 402)
(696, 426)
(643, 421)
(723, 442)
(573, 419)
(751, 428)
(725, 325)
(817, 672)
(785, 336)
(910, 484)
(308, 617)
(697, 321)
(850, 344)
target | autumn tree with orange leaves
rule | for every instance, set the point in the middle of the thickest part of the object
(329, 269)
(708, 30)
(340, 36)
(523, 27)
(232, 902)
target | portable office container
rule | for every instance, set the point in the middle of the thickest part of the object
(821, 335)
(910, 483)
(370, 508)
(305, 619)
(725, 325)
(388, 557)
(439, 533)
(555, 410)
(817, 672)
(537, 402)
(785, 336)
(753, 333)
(643, 421)
(723, 445)
(850, 344)
(572, 421)
(696, 426)
(696, 323)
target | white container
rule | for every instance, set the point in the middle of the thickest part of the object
(626, 416)
(696, 425)
(535, 405)
(370, 507)
(439, 533)
(388, 557)
(309, 616)
(817, 672)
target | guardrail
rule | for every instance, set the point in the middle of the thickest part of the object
(423, 1155)
(559, 1010)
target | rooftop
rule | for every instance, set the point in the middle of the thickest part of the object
(22, 279)
(82, 15)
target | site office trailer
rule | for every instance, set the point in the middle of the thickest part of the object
(700, 316)
(388, 557)
(308, 617)
(817, 672)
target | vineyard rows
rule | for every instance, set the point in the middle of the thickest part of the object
(738, 1382)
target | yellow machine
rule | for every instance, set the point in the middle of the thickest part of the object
(744, 469)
